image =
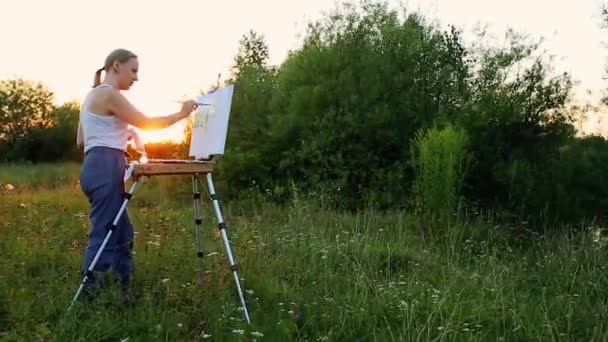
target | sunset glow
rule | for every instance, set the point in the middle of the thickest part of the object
(182, 48)
(168, 134)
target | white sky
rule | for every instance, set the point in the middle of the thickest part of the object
(42, 41)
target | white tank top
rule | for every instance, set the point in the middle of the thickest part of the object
(102, 130)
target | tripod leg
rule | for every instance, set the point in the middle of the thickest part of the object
(111, 229)
(222, 227)
(197, 213)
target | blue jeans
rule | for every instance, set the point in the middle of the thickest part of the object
(101, 180)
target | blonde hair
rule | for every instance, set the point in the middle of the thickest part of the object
(120, 55)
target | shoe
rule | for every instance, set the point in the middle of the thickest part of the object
(89, 294)
(128, 298)
(91, 289)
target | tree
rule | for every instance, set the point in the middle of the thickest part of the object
(252, 53)
(605, 22)
(66, 114)
(254, 82)
(53, 142)
(350, 100)
(518, 121)
(24, 105)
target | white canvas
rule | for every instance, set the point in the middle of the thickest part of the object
(210, 123)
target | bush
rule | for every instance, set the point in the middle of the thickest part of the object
(439, 157)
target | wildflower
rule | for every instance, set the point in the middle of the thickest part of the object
(257, 334)
(238, 331)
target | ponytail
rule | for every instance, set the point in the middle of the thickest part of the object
(120, 55)
(97, 79)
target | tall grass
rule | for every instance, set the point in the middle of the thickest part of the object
(309, 273)
(439, 157)
(31, 176)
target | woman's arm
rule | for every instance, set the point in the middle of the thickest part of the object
(125, 111)
(79, 136)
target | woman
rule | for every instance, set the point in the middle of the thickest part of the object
(103, 131)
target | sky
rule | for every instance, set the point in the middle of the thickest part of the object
(184, 45)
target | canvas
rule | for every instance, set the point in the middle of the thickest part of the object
(210, 123)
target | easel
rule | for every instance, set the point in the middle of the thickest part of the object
(159, 167)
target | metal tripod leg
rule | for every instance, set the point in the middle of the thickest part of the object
(222, 227)
(111, 229)
(196, 197)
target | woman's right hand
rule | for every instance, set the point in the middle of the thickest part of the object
(188, 107)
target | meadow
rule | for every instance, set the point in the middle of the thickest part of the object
(309, 273)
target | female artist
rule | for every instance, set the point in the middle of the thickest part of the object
(103, 131)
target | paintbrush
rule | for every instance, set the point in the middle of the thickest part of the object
(198, 103)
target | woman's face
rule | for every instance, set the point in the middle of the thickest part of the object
(127, 73)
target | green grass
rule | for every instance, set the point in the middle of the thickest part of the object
(309, 273)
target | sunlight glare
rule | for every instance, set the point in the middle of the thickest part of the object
(172, 134)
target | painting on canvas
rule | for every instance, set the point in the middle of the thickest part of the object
(210, 123)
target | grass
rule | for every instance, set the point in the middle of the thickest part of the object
(309, 273)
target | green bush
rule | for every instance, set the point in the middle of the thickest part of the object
(439, 157)
(337, 120)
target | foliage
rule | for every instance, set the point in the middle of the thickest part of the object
(53, 141)
(365, 276)
(348, 103)
(337, 118)
(24, 105)
(570, 188)
(439, 157)
(254, 82)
